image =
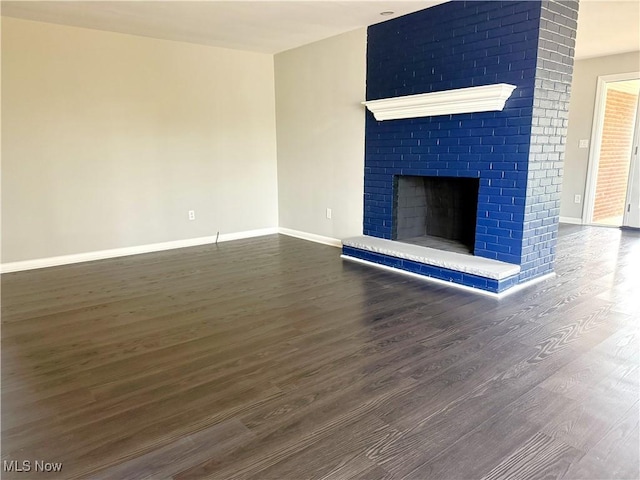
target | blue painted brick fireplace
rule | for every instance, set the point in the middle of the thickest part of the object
(516, 153)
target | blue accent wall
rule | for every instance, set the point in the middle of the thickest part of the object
(456, 45)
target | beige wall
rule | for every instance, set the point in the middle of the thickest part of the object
(581, 106)
(109, 139)
(320, 122)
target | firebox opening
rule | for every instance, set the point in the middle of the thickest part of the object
(437, 212)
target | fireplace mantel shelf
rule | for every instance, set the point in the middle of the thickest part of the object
(486, 98)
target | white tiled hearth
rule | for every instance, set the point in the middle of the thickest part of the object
(459, 262)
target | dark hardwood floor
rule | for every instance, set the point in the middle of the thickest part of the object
(271, 358)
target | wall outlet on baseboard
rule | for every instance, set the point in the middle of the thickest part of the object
(192, 214)
(577, 198)
(329, 213)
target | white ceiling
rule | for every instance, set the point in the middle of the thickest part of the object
(259, 26)
(605, 26)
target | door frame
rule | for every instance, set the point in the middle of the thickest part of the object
(596, 140)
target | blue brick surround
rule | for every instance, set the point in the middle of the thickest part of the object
(516, 154)
(558, 22)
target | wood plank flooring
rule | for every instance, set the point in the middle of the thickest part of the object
(271, 358)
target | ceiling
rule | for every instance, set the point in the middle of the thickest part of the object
(605, 26)
(259, 26)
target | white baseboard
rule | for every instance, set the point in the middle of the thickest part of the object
(312, 237)
(123, 252)
(571, 220)
(194, 242)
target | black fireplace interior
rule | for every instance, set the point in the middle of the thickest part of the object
(437, 212)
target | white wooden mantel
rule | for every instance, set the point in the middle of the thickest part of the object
(486, 98)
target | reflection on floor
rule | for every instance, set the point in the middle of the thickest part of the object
(610, 221)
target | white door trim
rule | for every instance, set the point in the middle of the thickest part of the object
(596, 140)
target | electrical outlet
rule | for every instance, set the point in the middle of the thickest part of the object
(329, 213)
(583, 143)
(577, 198)
(192, 214)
